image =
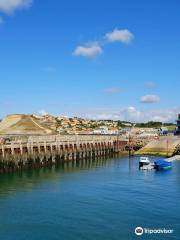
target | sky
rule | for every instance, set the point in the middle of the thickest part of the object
(112, 59)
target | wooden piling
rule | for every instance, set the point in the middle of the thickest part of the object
(40, 151)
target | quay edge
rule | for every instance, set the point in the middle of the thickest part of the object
(165, 146)
(41, 151)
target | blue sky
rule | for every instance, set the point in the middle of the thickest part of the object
(97, 59)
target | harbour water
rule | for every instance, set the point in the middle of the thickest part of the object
(90, 200)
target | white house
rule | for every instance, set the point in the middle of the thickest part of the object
(101, 130)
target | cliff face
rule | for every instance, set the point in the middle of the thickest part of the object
(23, 124)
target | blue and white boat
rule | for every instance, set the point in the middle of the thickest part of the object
(145, 164)
(162, 165)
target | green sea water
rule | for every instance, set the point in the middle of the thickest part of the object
(102, 199)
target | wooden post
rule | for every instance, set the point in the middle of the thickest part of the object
(3, 151)
(129, 143)
(51, 146)
(12, 148)
(28, 147)
(167, 146)
(45, 150)
(32, 147)
(21, 148)
(39, 148)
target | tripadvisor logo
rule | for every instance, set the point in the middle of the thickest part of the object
(139, 231)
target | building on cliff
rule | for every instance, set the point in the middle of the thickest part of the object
(178, 126)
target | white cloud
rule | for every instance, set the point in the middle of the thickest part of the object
(112, 90)
(119, 35)
(43, 112)
(89, 50)
(92, 49)
(9, 6)
(150, 99)
(134, 115)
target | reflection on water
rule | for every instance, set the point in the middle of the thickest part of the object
(95, 199)
(25, 180)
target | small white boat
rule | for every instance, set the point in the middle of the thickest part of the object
(145, 164)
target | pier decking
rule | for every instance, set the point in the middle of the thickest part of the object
(37, 151)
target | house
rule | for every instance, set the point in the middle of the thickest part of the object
(101, 130)
(105, 130)
(163, 131)
(177, 131)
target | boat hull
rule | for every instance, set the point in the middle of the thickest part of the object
(164, 168)
(162, 165)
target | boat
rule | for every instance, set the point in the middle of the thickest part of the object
(162, 165)
(145, 164)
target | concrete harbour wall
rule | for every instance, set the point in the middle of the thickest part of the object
(164, 146)
(39, 151)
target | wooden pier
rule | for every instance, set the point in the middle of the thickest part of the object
(39, 151)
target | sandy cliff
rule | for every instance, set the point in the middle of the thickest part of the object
(23, 124)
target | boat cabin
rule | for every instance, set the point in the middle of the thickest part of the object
(144, 161)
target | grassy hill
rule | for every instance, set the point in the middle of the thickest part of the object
(23, 124)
